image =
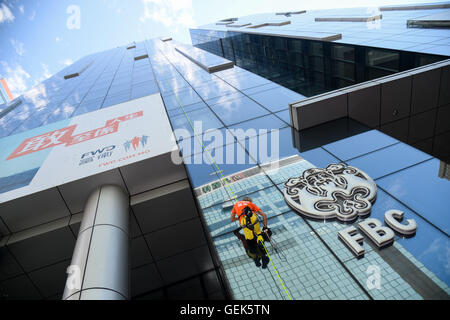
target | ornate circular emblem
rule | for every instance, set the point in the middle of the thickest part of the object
(338, 191)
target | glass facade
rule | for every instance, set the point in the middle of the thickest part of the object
(308, 67)
(308, 255)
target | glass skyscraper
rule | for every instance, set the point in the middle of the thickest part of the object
(368, 89)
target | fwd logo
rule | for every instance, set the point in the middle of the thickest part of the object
(98, 152)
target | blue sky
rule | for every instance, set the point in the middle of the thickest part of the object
(39, 38)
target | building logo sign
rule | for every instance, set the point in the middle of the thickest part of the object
(338, 191)
(64, 136)
(98, 154)
(135, 142)
(345, 193)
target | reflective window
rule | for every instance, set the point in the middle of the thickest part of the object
(185, 96)
(343, 52)
(360, 144)
(213, 89)
(205, 120)
(230, 159)
(238, 110)
(421, 189)
(253, 127)
(388, 160)
(277, 99)
(186, 108)
(272, 146)
(386, 59)
(144, 89)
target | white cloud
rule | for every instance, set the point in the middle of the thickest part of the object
(22, 9)
(47, 73)
(16, 78)
(169, 12)
(37, 95)
(66, 62)
(58, 39)
(18, 46)
(5, 13)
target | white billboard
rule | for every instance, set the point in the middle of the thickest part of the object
(82, 146)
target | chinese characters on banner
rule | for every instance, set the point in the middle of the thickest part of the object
(64, 136)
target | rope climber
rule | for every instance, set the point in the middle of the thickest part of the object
(246, 212)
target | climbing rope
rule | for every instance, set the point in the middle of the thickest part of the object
(227, 184)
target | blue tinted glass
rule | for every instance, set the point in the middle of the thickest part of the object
(202, 120)
(212, 89)
(36, 119)
(238, 110)
(388, 160)
(277, 99)
(285, 116)
(8, 126)
(112, 100)
(421, 189)
(288, 170)
(186, 108)
(319, 157)
(230, 159)
(60, 113)
(88, 106)
(264, 87)
(186, 97)
(266, 122)
(272, 146)
(209, 140)
(197, 77)
(172, 84)
(246, 80)
(360, 144)
(95, 94)
(143, 90)
(226, 97)
(427, 245)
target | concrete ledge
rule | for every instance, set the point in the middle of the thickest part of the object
(306, 35)
(349, 19)
(272, 24)
(311, 112)
(379, 102)
(437, 20)
(416, 7)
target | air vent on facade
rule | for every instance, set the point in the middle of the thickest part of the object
(141, 57)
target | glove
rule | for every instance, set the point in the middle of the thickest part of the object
(260, 239)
